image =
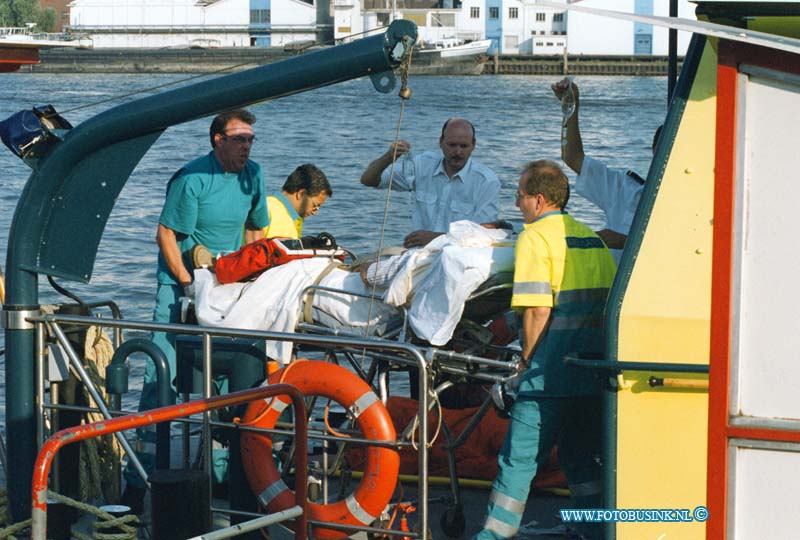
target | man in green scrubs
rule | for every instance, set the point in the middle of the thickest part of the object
(208, 202)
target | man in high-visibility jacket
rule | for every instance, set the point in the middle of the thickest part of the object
(562, 276)
(302, 195)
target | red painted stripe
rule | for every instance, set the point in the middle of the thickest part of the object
(764, 434)
(719, 361)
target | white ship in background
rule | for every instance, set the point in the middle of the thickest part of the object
(450, 57)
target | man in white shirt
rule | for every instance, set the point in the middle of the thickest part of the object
(447, 186)
(615, 191)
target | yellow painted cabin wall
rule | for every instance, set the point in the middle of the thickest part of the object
(665, 317)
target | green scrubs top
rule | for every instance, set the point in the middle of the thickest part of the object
(206, 205)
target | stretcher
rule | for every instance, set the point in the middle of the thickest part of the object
(451, 300)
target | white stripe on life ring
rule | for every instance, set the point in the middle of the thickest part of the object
(272, 491)
(363, 403)
(358, 512)
(276, 404)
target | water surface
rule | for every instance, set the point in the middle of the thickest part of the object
(341, 129)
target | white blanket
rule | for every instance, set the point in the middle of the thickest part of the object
(439, 278)
(438, 301)
(433, 282)
(273, 302)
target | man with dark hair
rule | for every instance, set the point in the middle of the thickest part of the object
(615, 191)
(562, 274)
(446, 187)
(210, 201)
(305, 191)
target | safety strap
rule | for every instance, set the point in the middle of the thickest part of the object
(308, 300)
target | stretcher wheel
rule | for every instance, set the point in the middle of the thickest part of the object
(453, 522)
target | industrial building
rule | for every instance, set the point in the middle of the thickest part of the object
(514, 26)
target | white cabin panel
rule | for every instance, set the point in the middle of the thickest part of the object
(764, 498)
(766, 327)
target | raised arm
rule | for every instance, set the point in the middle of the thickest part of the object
(372, 175)
(572, 151)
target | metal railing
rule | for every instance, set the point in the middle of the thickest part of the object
(413, 355)
(132, 421)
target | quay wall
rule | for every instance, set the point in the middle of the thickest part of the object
(190, 60)
(229, 59)
(521, 64)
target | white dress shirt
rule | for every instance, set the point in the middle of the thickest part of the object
(437, 201)
(614, 191)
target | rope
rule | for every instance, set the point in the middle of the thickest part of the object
(99, 464)
(415, 424)
(151, 88)
(126, 525)
(405, 94)
(328, 424)
(341, 39)
(10, 530)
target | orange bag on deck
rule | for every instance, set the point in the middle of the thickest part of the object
(253, 259)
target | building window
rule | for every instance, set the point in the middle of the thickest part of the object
(558, 17)
(259, 16)
(540, 17)
(540, 44)
(475, 12)
(513, 13)
(494, 12)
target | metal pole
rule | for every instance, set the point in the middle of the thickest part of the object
(208, 459)
(672, 68)
(252, 525)
(422, 484)
(22, 297)
(41, 359)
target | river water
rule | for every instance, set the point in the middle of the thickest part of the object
(341, 129)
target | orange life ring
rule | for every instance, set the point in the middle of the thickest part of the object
(314, 378)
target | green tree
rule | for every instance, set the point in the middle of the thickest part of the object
(47, 20)
(22, 12)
